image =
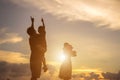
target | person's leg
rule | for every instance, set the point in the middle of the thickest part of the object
(44, 61)
(44, 64)
(33, 78)
(35, 68)
(66, 79)
(32, 67)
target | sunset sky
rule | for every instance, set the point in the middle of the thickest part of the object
(92, 27)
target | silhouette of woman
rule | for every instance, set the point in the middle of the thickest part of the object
(66, 67)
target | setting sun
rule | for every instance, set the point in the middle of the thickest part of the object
(61, 56)
(59, 40)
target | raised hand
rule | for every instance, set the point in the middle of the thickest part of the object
(42, 20)
(32, 19)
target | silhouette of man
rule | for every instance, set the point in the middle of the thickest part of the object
(37, 56)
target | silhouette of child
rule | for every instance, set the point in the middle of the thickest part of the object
(43, 44)
(66, 67)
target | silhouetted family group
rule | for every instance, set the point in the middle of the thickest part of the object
(38, 48)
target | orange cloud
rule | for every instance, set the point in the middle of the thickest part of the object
(87, 70)
(13, 57)
(7, 37)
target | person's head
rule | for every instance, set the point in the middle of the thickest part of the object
(31, 31)
(68, 46)
(41, 29)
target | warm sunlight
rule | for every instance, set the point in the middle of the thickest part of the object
(87, 70)
(59, 39)
(61, 56)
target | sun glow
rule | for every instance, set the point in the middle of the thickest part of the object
(87, 70)
(61, 56)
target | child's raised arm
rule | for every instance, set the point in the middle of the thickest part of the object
(32, 21)
(42, 22)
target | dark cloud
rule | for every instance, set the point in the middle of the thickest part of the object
(95, 76)
(111, 76)
(22, 71)
(89, 76)
(8, 70)
(17, 71)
